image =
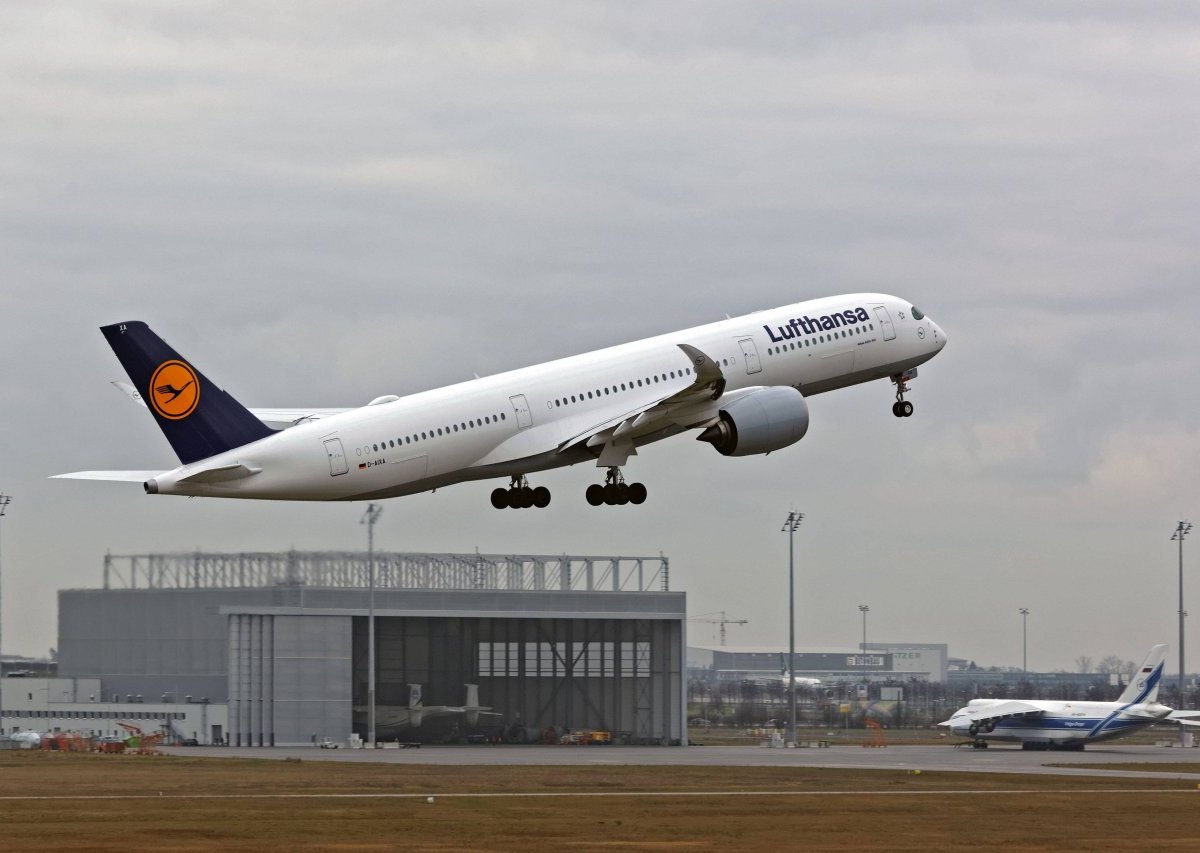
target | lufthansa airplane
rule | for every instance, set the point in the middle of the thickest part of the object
(1070, 725)
(742, 383)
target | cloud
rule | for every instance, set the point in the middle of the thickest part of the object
(323, 203)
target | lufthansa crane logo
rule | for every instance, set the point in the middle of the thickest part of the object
(174, 390)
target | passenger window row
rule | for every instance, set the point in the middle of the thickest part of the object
(820, 339)
(416, 437)
(624, 386)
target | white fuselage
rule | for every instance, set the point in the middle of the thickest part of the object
(1061, 723)
(523, 421)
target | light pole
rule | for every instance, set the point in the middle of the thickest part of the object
(789, 527)
(369, 518)
(1024, 611)
(1181, 530)
(864, 610)
(5, 500)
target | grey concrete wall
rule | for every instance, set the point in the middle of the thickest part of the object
(312, 678)
(146, 642)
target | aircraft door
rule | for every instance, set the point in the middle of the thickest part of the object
(750, 355)
(885, 323)
(521, 410)
(337, 457)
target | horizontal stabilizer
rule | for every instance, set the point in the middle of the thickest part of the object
(110, 476)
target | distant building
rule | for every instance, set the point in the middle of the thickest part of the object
(81, 705)
(930, 658)
(533, 644)
(902, 661)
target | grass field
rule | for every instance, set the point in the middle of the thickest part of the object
(181, 803)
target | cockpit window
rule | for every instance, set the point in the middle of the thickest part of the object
(916, 313)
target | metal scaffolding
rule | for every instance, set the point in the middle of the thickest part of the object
(393, 570)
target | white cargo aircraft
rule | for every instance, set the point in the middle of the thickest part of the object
(27, 739)
(741, 382)
(417, 712)
(1070, 725)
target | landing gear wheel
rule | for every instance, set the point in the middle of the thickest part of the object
(906, 409)
(896, 409)
(615, 491)
(519, 495)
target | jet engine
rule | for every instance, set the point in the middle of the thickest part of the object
(759, 422)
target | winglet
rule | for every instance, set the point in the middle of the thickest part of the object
(128, 390)
(708, 372)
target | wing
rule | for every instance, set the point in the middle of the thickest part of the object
(690, 406)
(274, 418)
(111, 476)
(1003, 709)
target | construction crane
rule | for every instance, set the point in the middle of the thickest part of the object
(722, 621)
(138, 741)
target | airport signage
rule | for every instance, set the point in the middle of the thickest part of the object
(874, 661)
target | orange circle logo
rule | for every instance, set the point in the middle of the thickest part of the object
(174, 390)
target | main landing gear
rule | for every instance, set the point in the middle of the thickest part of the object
(615, 491)
(901, 408)
(519, 495)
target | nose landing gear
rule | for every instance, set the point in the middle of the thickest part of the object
(902, 408)
(615, 491)
(519, 495)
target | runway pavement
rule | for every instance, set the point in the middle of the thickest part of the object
(925, 758)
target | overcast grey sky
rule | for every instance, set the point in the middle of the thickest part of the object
(319, 203)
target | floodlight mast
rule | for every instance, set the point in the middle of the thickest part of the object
(789, 527)
(1182, 529)
(369, 518)
(1024, 611)
(5, 500)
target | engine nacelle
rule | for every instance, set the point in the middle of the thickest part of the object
(762, 421)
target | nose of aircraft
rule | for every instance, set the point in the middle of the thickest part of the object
(939, 336)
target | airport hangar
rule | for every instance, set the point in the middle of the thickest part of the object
(553, 643)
